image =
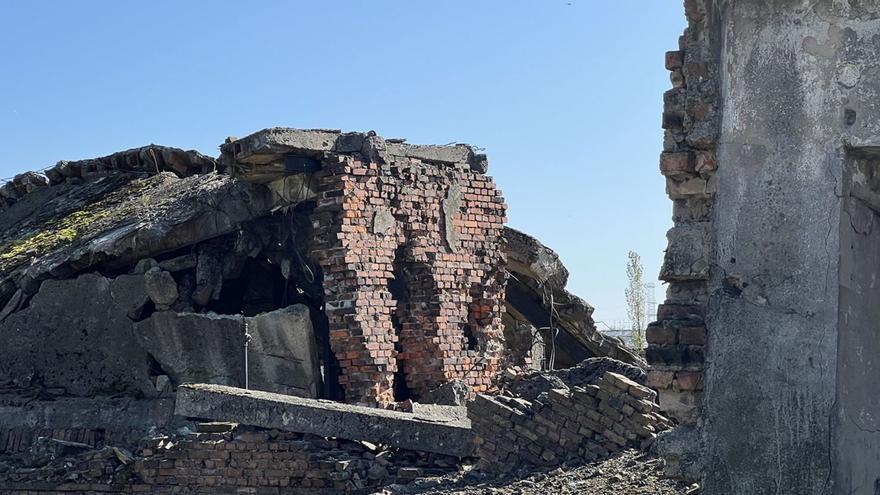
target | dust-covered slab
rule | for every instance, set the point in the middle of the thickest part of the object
(439, 434)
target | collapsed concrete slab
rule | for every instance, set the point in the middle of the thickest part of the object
(59, 231)
(440, 434)
(536, 297)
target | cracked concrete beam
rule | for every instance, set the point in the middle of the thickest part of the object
(440, 434)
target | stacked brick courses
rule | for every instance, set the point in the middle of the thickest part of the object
(445, 222)
(580, 423)
(248, 461)
(676, 340)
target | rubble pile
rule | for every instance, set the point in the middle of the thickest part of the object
(220, 458)
(630, 472)
(554, 422)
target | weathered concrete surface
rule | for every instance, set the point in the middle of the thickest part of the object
(95, 348)
(195, 348)
(443, 435)
(282, 354)
(527, 255)
(62, 230)
(261, 156)
(539, 277)
(75, 336)
(857, 430)
(785, 406)
(209, 348)
(111, 414)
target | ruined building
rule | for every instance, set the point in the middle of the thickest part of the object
(766, 345)
(393, 252)
(152, 286)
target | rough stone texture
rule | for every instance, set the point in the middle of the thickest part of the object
(161, 287)
(527, 255)
(195, 348)
(149, 160)
(630, 472)
(443, 435)
(96, 421)
(261, 154)
(581, 422)
(94, 349)
(453, 393)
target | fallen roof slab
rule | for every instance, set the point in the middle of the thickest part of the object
(441, 435)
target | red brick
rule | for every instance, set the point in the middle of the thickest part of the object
(705, 161)
(672, 164)
(674, 60)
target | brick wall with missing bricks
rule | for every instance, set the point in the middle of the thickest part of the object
(579, 423)
(243, 460)
(414, 274)
(677, 339)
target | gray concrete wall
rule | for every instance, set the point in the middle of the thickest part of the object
(799, 85)
(857, 425)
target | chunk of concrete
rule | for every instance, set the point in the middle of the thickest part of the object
(282, 354)
(130, 292)
(209, 277)
(209, 348)
(161, 287)
(191, 347)
(528, 256)
(180, 263)
(537, 279)
(440, 435)
(75, 335)
(687, 257)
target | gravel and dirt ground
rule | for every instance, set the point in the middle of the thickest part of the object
(628, 473)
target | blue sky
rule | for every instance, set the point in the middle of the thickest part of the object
(565, 97)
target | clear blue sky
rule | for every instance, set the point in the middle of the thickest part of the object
(565, 96)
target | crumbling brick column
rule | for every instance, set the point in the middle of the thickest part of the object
(446, 222)
(690, 118)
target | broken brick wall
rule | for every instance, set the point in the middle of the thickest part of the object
(414, 278)
(677, 339)
(241, 460)
(582, 422)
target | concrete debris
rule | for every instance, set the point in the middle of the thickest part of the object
(538, 279)
(442, 435)
(452, 393)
